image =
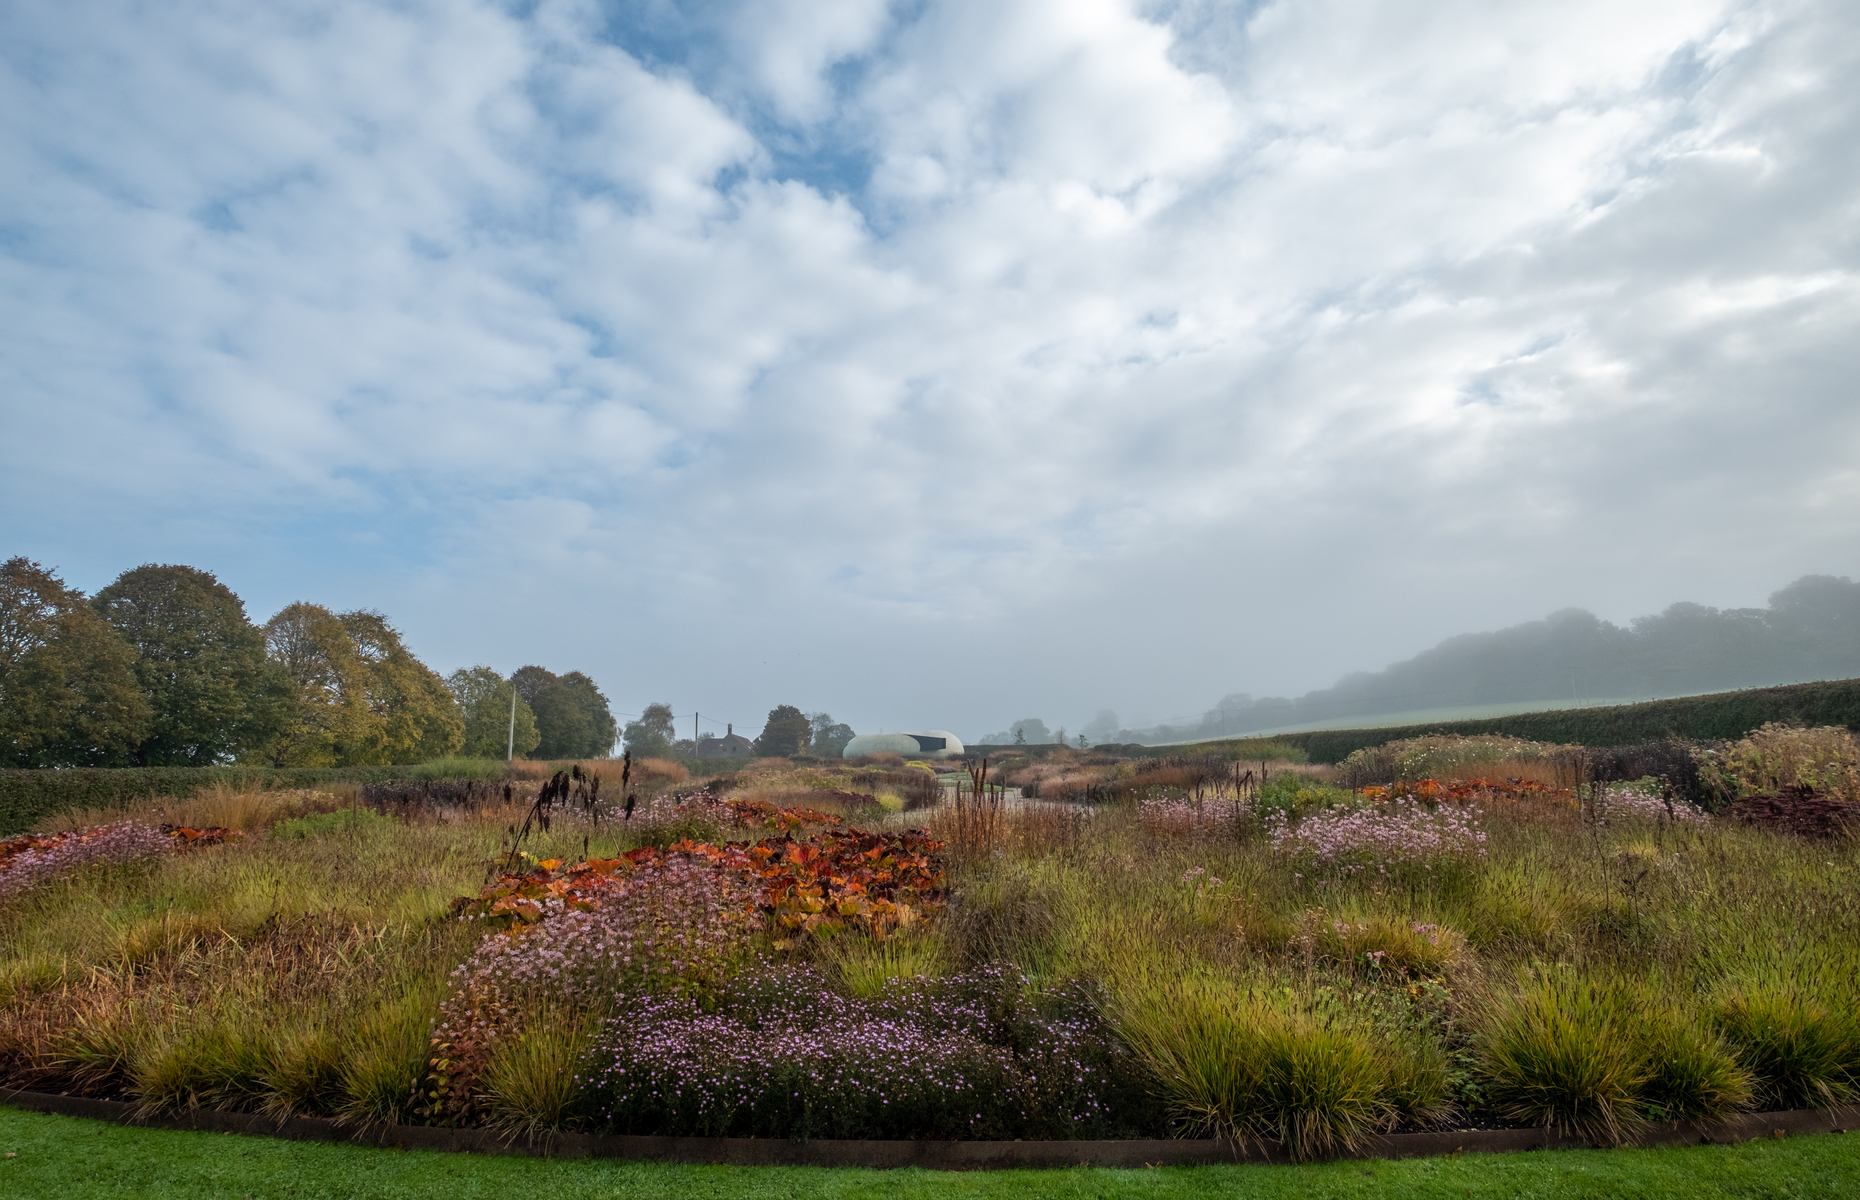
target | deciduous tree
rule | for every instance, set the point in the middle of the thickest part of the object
(827, 737)
(571, 713)
(484, 698)
(68, 692)
(787, 732)
(362, 697)
(652, 736)
(201, 665)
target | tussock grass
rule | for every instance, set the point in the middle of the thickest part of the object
(244, 809)
(865, 967)
(531, 1084)
(1592, 976)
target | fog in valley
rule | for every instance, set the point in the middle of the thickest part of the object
(1810, 630)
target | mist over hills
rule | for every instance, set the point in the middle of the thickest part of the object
(1810, 631)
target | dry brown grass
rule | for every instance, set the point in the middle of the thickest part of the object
(247, 810)
(655, 774)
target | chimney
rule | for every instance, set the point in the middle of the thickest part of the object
(729, 731)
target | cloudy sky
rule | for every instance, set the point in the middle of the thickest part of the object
(934, 363)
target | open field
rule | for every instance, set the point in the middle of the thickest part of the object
(1151, 947)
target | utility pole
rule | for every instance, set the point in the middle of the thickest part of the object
(510, 747)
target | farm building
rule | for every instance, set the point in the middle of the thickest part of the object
(927, 743)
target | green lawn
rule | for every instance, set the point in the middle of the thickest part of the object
(71, 1158)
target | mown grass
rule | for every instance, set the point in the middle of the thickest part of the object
(74, 1159)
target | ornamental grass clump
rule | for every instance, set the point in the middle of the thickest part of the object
(1598, 1058)
(32, 861)
(1236, 1063)
(781, 1054)
(1399, 836)
(1558, 1053)
(1801, 1053)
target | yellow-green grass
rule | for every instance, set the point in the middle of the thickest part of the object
(68, 1158)
(297, 969)
(1590, 977)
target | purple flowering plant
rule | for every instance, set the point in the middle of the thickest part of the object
(40, 860)
(780, 1053)
(672, 928)
(1402, 836)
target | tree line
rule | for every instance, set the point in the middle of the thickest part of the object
(163, 668)
(787, 732)
(1810, 630)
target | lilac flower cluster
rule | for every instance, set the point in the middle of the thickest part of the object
(1643, 802)
(663, 809)
(1381, 838)
(119, 843)
(1179, 816)
(782, 1055)
(666, 928)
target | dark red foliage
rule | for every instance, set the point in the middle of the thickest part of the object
(1799, 810)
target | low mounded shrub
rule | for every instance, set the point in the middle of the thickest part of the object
(1382, 839)
(1776, 756)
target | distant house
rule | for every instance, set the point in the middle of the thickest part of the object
(927, 743)
(731, 745)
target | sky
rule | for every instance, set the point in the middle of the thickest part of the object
(934, 364)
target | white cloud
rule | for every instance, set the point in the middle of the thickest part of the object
(1020, 328)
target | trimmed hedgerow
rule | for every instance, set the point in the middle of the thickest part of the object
(28, 796)
(1721, 716)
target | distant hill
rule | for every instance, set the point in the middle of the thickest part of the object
(1810, 631)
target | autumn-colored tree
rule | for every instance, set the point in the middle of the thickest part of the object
(68, 693)
(201, 665)
(787, 732)
(484, 697)
(362, 697)
(415, 717)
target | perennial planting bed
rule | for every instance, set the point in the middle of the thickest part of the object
(1298, 969)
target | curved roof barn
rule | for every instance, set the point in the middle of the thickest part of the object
(924, 743)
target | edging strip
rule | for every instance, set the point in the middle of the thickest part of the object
(940, 1156)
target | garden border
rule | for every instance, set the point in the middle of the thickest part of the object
(932, 1155)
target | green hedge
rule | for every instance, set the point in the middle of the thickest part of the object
(1722, 715)
(27, 796)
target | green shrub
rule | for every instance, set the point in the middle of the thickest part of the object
(27, 797)
(1721, 716)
